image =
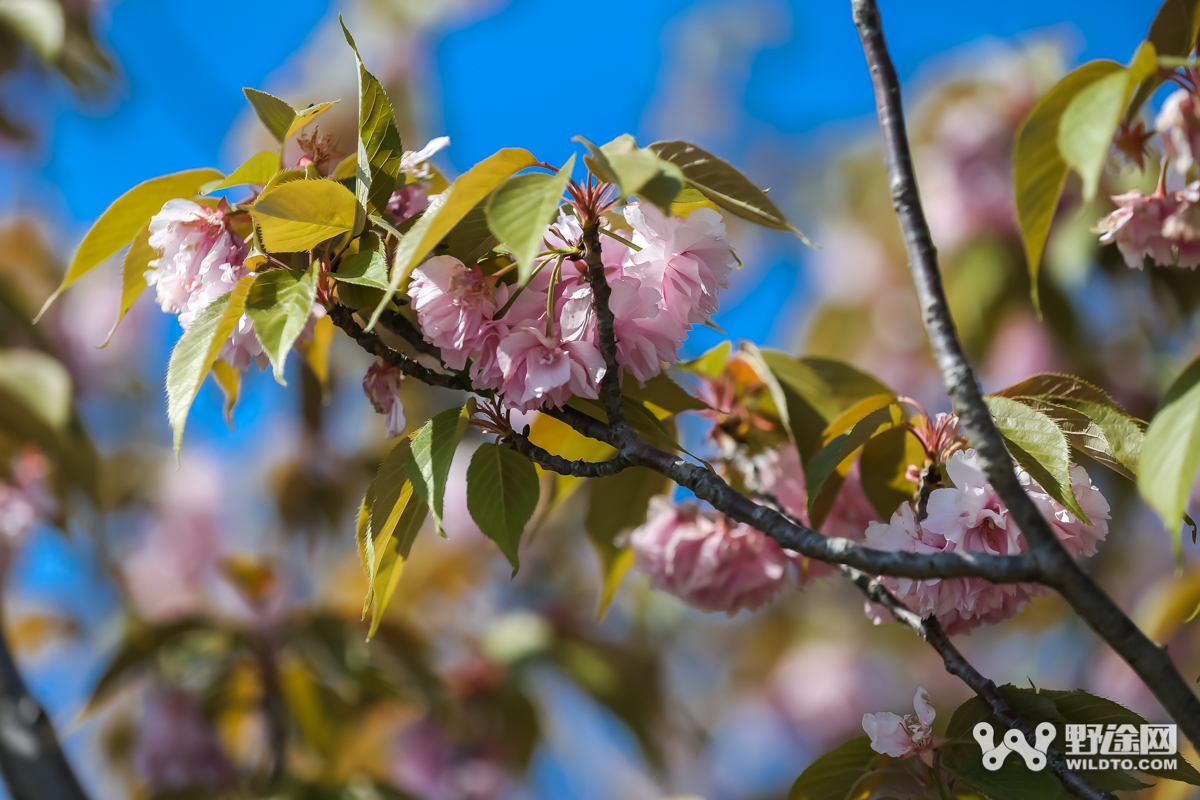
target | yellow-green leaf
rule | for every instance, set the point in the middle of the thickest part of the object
(276, 115)
(634, 170)
(305, 116)
(433, 448)
(521, 210)
(1171, 450)
(397, 513)
(230, 381)
(133, 275)
(1039, 170)
(1089, 121)
(379, 146)
(258, 169)
(316, 352)
(444, 212)
(196, 351)
(724, 185)
(300, 214)
(125, 217)
(280, 304)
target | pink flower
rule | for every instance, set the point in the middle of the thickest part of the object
(1179, 123)
(900, 737)
(23, 503)
(537, 370)
(381, 385)
(1136, 227)
(646, 334)
(971, 517)
(408, 201)
(413, 162)
(689, 260)
(712, 564)
(176, 747)
(200, 259)
(452, 301)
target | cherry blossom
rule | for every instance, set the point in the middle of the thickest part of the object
(538, 370)
(381, 385)
(1136, 227)
(708, 562)
(1179, 123)
(452, 301)
(200, 259)
(901, 737)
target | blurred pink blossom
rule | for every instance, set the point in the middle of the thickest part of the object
(900, 737)
(408, 201)
(710, 563)
(24, 501)
(1136, 227)
(176, 747)
(381, 385)
(1179, 123)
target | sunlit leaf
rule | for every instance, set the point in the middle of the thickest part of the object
(709, 364)
(379, 146)
(616, 505)
(1039, 446)
(280, 304)
(258, 169)
(306, 115)
(720, 182)
(316, 352)
(275, 114)
(446, 210)
(883, 469)
(397, 513)
(502, 493)
(133, 275)
(634, 170)
(663, 393)
(1089, 121)
(522, 208)
(433, 448)
(300, 214)
(367, 267)
(230, 381)
(1171, 450)
(196, 351)
(122, 220)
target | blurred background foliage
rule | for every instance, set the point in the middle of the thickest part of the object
(196, 631)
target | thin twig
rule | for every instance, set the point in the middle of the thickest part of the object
(1058, 569)
(401, 326)
(343, 317)
(931, 631)
(564, 466)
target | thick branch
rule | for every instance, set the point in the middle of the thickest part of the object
(610, 384)
(1058, 568)
(343, 317)
(564, 466)
(401, 326)
(956, 664)
(31, 761)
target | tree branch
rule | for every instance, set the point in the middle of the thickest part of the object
(1058, 569)
(610, 384)
(401, 326)
(931, 631)
(343, 317)
(563, 466)
(31, 761)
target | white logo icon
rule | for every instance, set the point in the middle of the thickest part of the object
(994, 755)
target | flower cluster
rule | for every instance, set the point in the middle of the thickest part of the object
(708, 561)
(900, 737)
(971, 517)
(661, 287)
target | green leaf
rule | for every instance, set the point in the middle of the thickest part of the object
(1039, 446)
(711, 363)
(280, 304)
(724, 185)
(522, 208)
(1013, 781)
(367, 267)
(836, 774)
(196, 351)
(379, 145)
(433, 449)
(122, 220)
(39, 383)
(1171, 450)
(502, 493)
(397, 511)
(1089, 121)
(804, 401)
(617, 504)
(133, 275)
(634, 170)
(278, 117)
(275, 114)
(883, 468)
(835, 459)
(846, 383)
(257, 169)
(446, 210)
(300, 214)
(1173, 31)
(1039, 170)
(1087, 435)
